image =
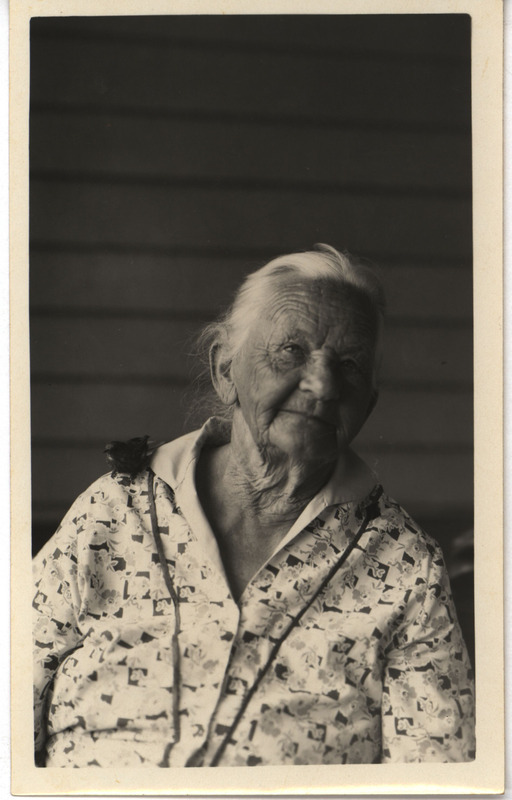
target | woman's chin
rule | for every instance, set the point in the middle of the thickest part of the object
(307, 442)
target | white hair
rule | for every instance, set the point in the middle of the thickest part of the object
(324, 263)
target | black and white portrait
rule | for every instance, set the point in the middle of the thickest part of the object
(251, 272)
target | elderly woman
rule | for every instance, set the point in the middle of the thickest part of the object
(248, 594)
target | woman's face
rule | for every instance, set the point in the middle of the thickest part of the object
(304, 375)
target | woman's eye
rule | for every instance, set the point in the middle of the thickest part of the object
(292, 353)
(349, 365)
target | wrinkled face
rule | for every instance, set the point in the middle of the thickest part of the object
(304, 375)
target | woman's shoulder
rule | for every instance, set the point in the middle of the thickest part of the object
(129, 470)
(112, 485)
(403, 529)
(114, 500)
(123, 487)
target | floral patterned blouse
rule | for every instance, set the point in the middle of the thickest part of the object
(344, 648)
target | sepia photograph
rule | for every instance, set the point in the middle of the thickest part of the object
(252, 292)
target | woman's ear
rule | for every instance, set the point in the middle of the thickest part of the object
(220, 370)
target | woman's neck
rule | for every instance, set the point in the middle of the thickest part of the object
(251, 499)
(264, 482)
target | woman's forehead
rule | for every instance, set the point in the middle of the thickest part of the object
(315, 305)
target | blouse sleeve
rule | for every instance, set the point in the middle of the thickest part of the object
(56, 605)
(428, 695)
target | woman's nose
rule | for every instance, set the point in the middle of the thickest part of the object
(320, 378)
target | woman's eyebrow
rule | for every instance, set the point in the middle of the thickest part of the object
(360, 350)
(285, 334)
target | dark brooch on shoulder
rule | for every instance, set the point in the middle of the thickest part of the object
(129, 457)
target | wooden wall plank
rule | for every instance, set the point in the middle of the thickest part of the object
(91, 213)
(177, 77)
(438, 420)
(111, 348)
(132, 280)
(426, 484)
(101, 412)
(418, 36)
(424, 293)
(149, 282)
(441, 357)
(141, 146)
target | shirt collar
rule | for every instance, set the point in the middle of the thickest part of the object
(351, 481)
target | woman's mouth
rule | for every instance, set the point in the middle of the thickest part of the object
(308, 416)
